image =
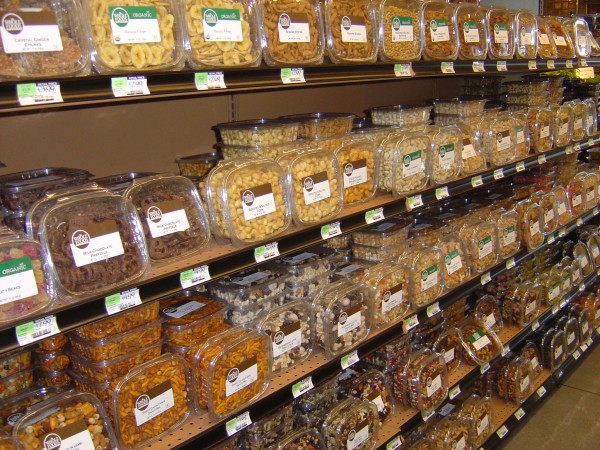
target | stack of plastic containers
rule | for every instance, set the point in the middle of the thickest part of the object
(525, 94)
(385, 241)
(307, 272)
(450, 111)
(409, 118)
(51, 361)
(323, 130)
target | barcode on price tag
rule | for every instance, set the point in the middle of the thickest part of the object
(442, 192)
(498, 174)
(302, 386)
(394, 444)
(416, 201)
(434, 309)
(265, 252)
(519, 414)
(330, 230)
(502, 431)
(476, 181)
(404, 70)
(520, 167)
(349, 359)
(194, 276)
(478, 66)
(238, 423)
(410, 322)
(374, 215)
(292, 75)
(120, 302)
(129, 86)
(38, 329)
(501, 66)
(532, 65)
(205, 81)
(447, 67)
(39, 93)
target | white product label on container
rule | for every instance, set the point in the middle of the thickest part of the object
(468, 149)
(391, 299)
(17, 280)
(578, 122)
(446, 155)
(438, 29)
(485, 246)
(584, 327)
(74, 436)
(471, 32)
(595, 251)
(531, 307)
(534, 363)
(412, 164)
(293, 27)
(479, 340)
(459, 444)
(503, 140)
(482, 424)
(238, 423)
(96, 242)
(349, 320)
(166, 218)
(355, 173)
(490, 320)
(257, 201)
(449, 356)
(222, 25)
(561, 207)
(244, 374)
(524, 383)
(570, 338)
(590, 194)
(375, 397)
(558, 351)
(357, 436)
(287, 338)
(429, 278)
(520, 134)
(544, 39)
(577, 199)
(534, 228)
(526, 37)
(249, 279)
(559, 40)
(548, 216)
(134, 24)
(453, 262)
(563, 128)
(353, 29)
(402, 29)
(500, 33)
(153, 402)
(553, 291)
(34, 30)
(433, 385)
(545, 131)
(316, 188)
(177, 312)
(509, 235)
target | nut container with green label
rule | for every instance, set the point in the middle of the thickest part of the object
(409, 164)
(515, 381)
(509, 231)
(441, 36)
(391, 294)
(481, 240)
(446, 153)
(546, 46)
(472, 32)
(448, 345)
(530, 352)
(526, 35)
(457, 267)
(499, 139)
(400, 30)
(451, 432)
(501, 33)
(480, 342)
(472, 157)
(427, 275)
(351, 424)
(522, 305)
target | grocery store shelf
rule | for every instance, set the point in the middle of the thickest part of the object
(224, 259)
(97, 90)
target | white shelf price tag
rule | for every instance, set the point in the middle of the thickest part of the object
(404, 70)
(292, 75)
(394, 444)
(562, 233)
(579, 222)
(434, 309)
(129, 86)
(485, 278)
(37, 329)
(442, 193)
(541, 159)
(374, 215)
(349, 359)
(576, 355)
(502, 431)
(265, 252)
(409, 323)
(478, 66)
(519, 414)
(505, 350)
(476, 181)
(532, 65)
(541, 392)
(484, 368)
(501, 66)
(498, 174)
(39, 93)
(535, 325)
(569, 150)
(330, 230)
(447, 67)
(595, 211)
(192, 277)
(520, 167)
(569, 64)
(550, 64)
(426, 417)
(302, 386)
(238, 423)
(452, 393)
(120, 302)
(205, 81)
(510, 263)
(416, 201)
(551, 238)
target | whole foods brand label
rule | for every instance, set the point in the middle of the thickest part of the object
(429, 277)
(459, 443)
(468, 149)
(258, 201)
(453, 261)
(166, 218)
(35, 30)
(244, 374)
(353, 29)
(392, 298)
(482, 423)
(222, 25)
(503, 140)
(438, 29)
(433, 384)
(449, 356)
(479, 340)
(182, 309)
(520, 134)
(74, 436)
(358, 435)
(134, 24)
(402, 29)
(471, 32)
(287, 338)
(375, 397)
(524, 383)
(543, 37)
(509, 235)
(17, 280)
(485, 246)
(349, 319)
(293, 27)
(412, 164)
(446, 154)
(355, 173)
(526, 37)
(545, 131)
(153, 402)
(96, 242)
(316, 188)
(500, 33)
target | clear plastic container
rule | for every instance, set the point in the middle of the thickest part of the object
(532, 226)
(576, 194)
(352, 424)
(459, 106)
(509, 231)
(377, 254)
(448, 345)
(250, 285)
(581, 253)
(409, 166)
(343, 313)
(457, 268)
(14, 407)
(473, 159)
(591, 118)
(351, 269)
(427, 277)
(66, 417)
(26, 286)
(118, 344)
(501, 32)
(52, 361)
(54, 378)
(593, 243)
(562, 40)
(390, 232)
(446, 155)
(531, 353)
(499, 139)
(441, 36)
(487, 310)
(305, 265)
(245, 315)
(196, 165)
(390, 292)
(305, 290)
(314, 183)
(472, 32)
(231, 370)
(551, 287)
(390, 355)
(579, 112)
(53, 343)
(526, 34)
(281, 417)
(563, 125)
(60, 49)
(351, 30)
(292, 331)
(541, 127)
(95, 244)
(291, 32)
(479, 413)
(17, 382)
(121, 46)
(522, 305)
(358, 160)
(522, 134)
(15, 361)
(578, 31)
(258, 132)
(400, 30)
(481, 240)
(571, 330)
(232, 39)
(480, 342)
(553, 346)
(308, 439)
(563, 205)
(399, 115)
(119, 182)
(320, 125)
(373, 386)
(546, 46)
(271, 151)
(514, 383)
(529, 87)
(189, 317)
(451, 432)
(590, 183)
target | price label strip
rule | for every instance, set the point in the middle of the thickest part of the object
(501, 66)
(478, 66)
(37, 329)
(120, 302)
(532, 65)
(42, 93)
(349, 359)
(502, 431)
(409, 323)
(442, 193)
(476, 181)
(265, 252)
(394, 444)
(293, 75)
(550, 64)
(498, 174)
(447, 67)
(129, 86)
(330, 230)
(302, 386)
(414, 202)
(520, 167)
(541, 159)
(374, 215)
(206, 81)
(194, 276)
(404, 70)
(433, 309)
(238, 423)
